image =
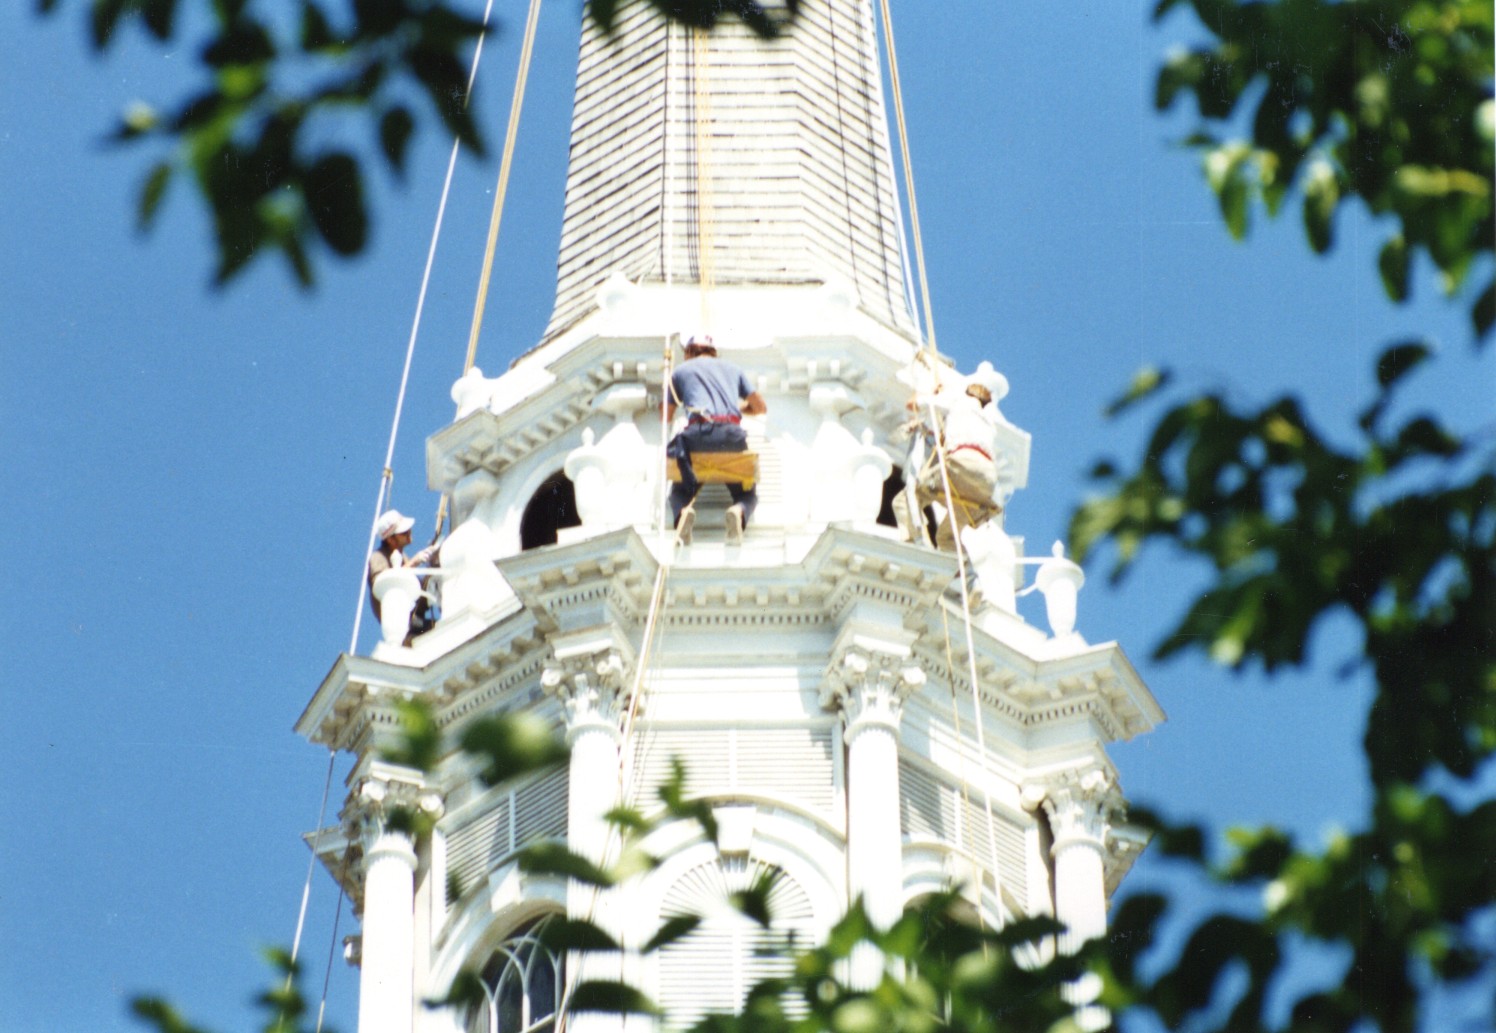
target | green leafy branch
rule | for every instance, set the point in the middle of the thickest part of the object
(254, 138)
(1399, 532)
(1388, 101)
(942, 970)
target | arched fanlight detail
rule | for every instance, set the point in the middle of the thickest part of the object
(522, 983)
(713, 968)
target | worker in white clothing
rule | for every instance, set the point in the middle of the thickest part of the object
(966, 430)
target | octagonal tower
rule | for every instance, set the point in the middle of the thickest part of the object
(815, 679)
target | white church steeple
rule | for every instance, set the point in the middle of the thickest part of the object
(859, 722)
(727, 158)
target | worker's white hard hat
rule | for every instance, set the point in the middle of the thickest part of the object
(699, 338)
(393, 522)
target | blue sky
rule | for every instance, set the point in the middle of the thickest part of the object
(189, 475)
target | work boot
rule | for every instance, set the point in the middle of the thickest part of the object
(684, 525)
(733, 518)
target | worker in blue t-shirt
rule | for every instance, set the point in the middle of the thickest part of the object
(716, 396)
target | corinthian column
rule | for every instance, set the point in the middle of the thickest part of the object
(868, 688)
(386, 994)
(1080, 806)
(591, 686)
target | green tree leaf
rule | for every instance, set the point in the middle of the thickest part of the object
(335, 198)
(556, 859)
(1392, 263)
(151, 194)
(670, 931)
(395, 129)
(612, 997)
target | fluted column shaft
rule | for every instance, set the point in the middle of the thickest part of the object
(869, 689)
(590, 685)
(1079, 807)
(386, 991)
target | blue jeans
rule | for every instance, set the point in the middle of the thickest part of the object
(708, 437)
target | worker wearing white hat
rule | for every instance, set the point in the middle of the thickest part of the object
(966, 426)
(393, 530)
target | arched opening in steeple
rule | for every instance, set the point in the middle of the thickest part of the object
(552, 509)
(891, 488)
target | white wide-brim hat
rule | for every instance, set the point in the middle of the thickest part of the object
(392, 522)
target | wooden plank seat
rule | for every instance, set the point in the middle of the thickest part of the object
(719, 468)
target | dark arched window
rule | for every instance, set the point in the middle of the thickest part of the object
(523, 981)
(891, 488)
(551, 508)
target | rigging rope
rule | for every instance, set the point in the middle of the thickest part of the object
(940, 452)
(496, 215)
(624, 786)
(971, 660)
(332, 947)
(501, 189)
(701, 115)
(386, 480)
(388, 475)
(898, 107)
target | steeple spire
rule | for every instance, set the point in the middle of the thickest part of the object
(726, 160)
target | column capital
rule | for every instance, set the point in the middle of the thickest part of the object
(1081, 805)
(372, 817)
(593, 687)
(868, 687)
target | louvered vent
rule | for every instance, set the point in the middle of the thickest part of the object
(793, 764)
(713, 968)
(540, 809)
(510, 819)
(933, 809)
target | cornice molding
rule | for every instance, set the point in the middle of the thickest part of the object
(1097, 683)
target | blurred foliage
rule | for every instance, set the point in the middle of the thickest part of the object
(941, 970)
(1388, 101)
(284, 1007)
(298, 98)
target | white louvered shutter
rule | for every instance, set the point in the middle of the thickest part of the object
(933, 809)
(484, 837)
(789, 763)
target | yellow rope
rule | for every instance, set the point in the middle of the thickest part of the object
(516, 105)
(625, 787)
(971, 660)
(898, 108)
(496, 216)
(950, 665)
(945, 478)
